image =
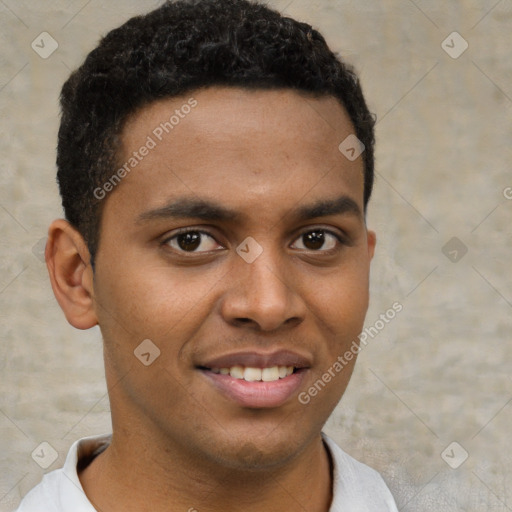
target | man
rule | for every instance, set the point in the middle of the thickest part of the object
(215, 161)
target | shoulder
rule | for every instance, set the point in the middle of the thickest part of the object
(356, 486)
(60, 490)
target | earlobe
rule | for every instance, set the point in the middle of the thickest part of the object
(372, 241)
(71, 275)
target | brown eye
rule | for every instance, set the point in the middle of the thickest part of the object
(313, 240)
(191, 241)
(317, 239)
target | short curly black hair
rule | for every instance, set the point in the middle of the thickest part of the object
(180, 47)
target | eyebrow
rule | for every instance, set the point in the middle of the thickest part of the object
(340, 206)
(185, 208)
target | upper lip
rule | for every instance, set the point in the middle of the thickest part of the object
(256, 359)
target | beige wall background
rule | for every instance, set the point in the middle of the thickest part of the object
(438, 373)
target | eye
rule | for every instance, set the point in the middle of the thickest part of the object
(317, 239)
(192, 241)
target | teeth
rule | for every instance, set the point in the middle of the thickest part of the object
(270, 374)
(237, 372)
(251, 374)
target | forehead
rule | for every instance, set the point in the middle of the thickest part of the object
(236, 112)
(242, 147)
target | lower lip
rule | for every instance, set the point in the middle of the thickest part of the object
(257, 394)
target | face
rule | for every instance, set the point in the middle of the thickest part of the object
(236, 243)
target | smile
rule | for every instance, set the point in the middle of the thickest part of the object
(252, 374)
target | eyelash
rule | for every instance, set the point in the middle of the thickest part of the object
(341, 241)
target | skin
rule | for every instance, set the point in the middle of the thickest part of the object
(176, 439)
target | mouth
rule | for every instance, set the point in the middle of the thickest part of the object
(254, 380)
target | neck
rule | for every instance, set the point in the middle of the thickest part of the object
(135, 474)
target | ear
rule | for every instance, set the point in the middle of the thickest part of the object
(372, 241)
(71, 275)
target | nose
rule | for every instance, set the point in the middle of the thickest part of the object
(262, 295)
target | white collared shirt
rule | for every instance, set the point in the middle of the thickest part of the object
(356, 487)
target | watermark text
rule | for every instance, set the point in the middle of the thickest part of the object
(344, 359)
(157, 135)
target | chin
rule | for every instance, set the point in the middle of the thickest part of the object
(251, 453)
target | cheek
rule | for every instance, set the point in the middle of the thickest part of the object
(156, 302)
(343, 300)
